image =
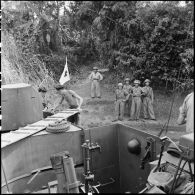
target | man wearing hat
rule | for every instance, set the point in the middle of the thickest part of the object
(136, 100)
(121, 97)
(148, 99)
(95, 78)
(72, 98)
(43, 92)
(127, 87)
(46, 104)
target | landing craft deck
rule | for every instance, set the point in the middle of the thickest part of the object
(32, 129)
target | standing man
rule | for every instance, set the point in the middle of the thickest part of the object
(121, 97)
(186, 112)
(45, 102)
(136, 100)
(148, 99)
(127, 87)
(73, 99)
(95, 78)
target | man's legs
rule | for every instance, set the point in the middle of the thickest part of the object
(126, 108)
(122, 107)
(151, 110)
(138, 108)
(133, 109)
(92, 89)
(129, 105)
(117, 109)
(98, 93)
(145, 108)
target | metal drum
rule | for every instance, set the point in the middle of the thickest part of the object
(21, 105)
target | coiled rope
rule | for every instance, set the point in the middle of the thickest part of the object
(58, 127)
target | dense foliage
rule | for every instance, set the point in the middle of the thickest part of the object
(142, 39)
(132, 38)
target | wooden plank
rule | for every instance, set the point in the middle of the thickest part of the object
(63, 115)
(5, 136)
(51, 119)
(3, 144)
(37, 125)
(41, 123)
(15, 136)
(32, 129)
(24, 131)
(70, 111)
(59, 117)
(7, 141)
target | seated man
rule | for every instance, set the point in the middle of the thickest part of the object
(73, 99)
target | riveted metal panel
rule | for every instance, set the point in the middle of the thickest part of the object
(34, 152)
(132, 178)
(105, 163)
(113, 162)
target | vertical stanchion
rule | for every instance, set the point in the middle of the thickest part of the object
(5, 177)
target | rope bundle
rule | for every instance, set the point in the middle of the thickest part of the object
(58, 127)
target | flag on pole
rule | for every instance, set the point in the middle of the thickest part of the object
(65, 75)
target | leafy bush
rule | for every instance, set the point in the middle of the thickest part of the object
(137, 39)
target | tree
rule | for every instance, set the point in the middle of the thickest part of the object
(132, 38)
(144, 38)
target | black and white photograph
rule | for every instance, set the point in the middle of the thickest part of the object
(97, 97)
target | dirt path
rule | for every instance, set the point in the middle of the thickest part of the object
(101, 112)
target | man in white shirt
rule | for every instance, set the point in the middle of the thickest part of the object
(95, 78)
(186, 113)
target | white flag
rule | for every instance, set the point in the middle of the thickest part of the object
(65, 75)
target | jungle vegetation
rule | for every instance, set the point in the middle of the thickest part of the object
(132, 38)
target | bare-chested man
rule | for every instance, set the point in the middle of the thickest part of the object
(72, 98)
